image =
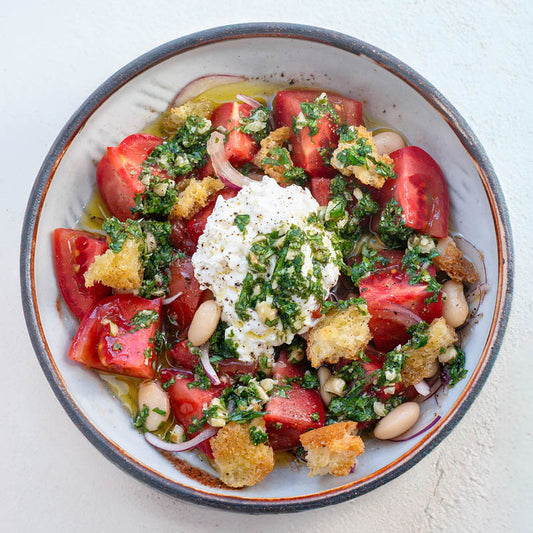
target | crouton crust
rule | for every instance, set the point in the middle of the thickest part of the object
(455, 264)
(195, 196)
(420, 360)
(276, 138)
(367, 176)
(239, 462)
(121, 270)
(338, 335)
(177, 115)
(332, 449)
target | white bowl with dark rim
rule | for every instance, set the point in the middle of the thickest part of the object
(134, 96)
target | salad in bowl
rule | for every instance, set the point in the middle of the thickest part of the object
(265, 276)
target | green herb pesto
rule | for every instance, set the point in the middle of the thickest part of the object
(280, 157)
(241, 221)
(341, 305)
(257, 435)
(370, 259)
(144, 319)
(391, 227)
(139, 422)
(312, 112)
(455, 369)
(257, 124)
(175, 157)
(416, 263)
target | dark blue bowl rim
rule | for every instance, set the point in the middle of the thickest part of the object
(184, 44)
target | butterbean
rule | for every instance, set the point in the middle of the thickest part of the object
(153, 397)
(398, 421)
(454, 304)
(388, 141)
(204, 322)
(324, 374)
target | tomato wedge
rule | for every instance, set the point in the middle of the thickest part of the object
(107, 339)
(421, 191)
(74, 252)
(118, 171)
(288, 417)
(306, 150)
(183, 282)
(320, 190)
(390, 285)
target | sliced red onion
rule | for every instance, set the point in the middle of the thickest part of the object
(354, 467)
(422, 388)
(397, 313)
(420, 432)
(252, 102)
(227, 173)
(170, 299)
(208, 367)
(182, 446)
(202, 84)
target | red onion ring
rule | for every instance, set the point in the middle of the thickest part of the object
(227, 173)
(396, 313)
(170, 299)
(252, 102)
(202, 84)
(428, 427)
(422, 388)
(182, 446)
(208, 367)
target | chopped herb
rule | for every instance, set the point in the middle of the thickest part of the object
(315, 417)
(169, 382)
(159, 411)
(310, 380)
(201, 380)
(341, 305)
(257, 435)
(144, 319)
(257, 123)
(454, 370)
(119, 231)
(139, 422)
(241, 221)
(391, 227)
(280, 157)
(370, 259)
(312, 112)
(419, 335)
(220, 346)
(117, 347)
(416, 263)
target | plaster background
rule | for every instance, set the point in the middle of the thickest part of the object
(54, 54)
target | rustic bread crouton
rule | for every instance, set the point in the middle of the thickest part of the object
(367, 176)
(240, 462)
(195, 196)
(452, 261)
(122, 270)
(177, 115)
(276, 139)
(339, 334)
(332, 449)
(420, 360)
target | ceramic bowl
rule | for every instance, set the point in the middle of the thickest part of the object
(131, 98)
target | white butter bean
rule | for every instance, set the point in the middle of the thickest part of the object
(442, 244)
(432, 370)
(204, 322)
(454, 304)
(156, 400)
(324, 374)
(388, 141)
(398, 421)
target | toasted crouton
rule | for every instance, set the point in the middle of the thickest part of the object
(420, 360)
(276, 139)
(366, 174)
(332, 449)
(122, 270)
(177, 115)
(240, 462)
(339, 334)
(452, 261)
(195, 196)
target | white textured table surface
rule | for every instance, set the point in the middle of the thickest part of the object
(54, 54)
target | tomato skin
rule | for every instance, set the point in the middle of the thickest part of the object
(294, 412)
(421, 190)
(95, 346)
(182, 280)
(320, 190)
(306, 150)
(196, 225)
(118, 171)
(180, 237)
(390, 285)
(74, 252)
(240, 148)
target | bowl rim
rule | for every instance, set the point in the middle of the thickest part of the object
(269, 30)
